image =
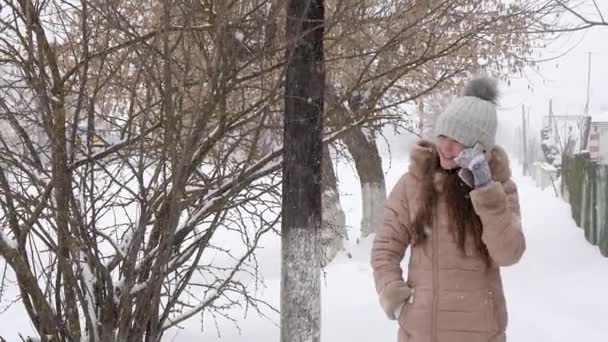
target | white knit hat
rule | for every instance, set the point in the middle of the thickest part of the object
(471, 118)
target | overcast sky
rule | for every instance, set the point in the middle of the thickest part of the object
(564, 80)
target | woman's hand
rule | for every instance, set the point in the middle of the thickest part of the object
(474, 160)
(393, 297)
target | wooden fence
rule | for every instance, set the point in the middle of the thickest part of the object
(585, 187)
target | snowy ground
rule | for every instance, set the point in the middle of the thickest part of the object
(558, 292)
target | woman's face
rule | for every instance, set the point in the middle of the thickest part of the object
(448, 149)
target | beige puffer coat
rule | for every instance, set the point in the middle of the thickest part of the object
(457, 297)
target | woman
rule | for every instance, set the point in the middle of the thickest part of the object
(458, 210)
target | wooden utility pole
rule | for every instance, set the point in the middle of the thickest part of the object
(525, 141)
(588, 85)
(586, 121)
(301, 216)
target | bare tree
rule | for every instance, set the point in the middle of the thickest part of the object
(301, 222)
(333, 233)
(583, 21)
(386, 58)
(429, 110)
(142, 155)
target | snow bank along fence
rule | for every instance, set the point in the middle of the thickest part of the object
(544, 175)
(585, 187)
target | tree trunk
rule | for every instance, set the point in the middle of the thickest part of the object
(302, 154)
(333, 230)
(66, 243)
(368, 163)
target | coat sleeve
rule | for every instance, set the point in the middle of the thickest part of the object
(392, 238)
(497, 204)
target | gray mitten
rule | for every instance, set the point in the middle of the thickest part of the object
(475, 168)
(393, 297)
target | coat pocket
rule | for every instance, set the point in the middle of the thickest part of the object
(406, 306)
(402, 319)
(497, 311)
(407, 317)
(500, 313)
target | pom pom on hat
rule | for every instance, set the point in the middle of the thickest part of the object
(485, 88)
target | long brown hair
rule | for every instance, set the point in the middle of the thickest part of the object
(465, 220)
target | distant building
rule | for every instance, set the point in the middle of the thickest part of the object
(564, 135)
(598, 138)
